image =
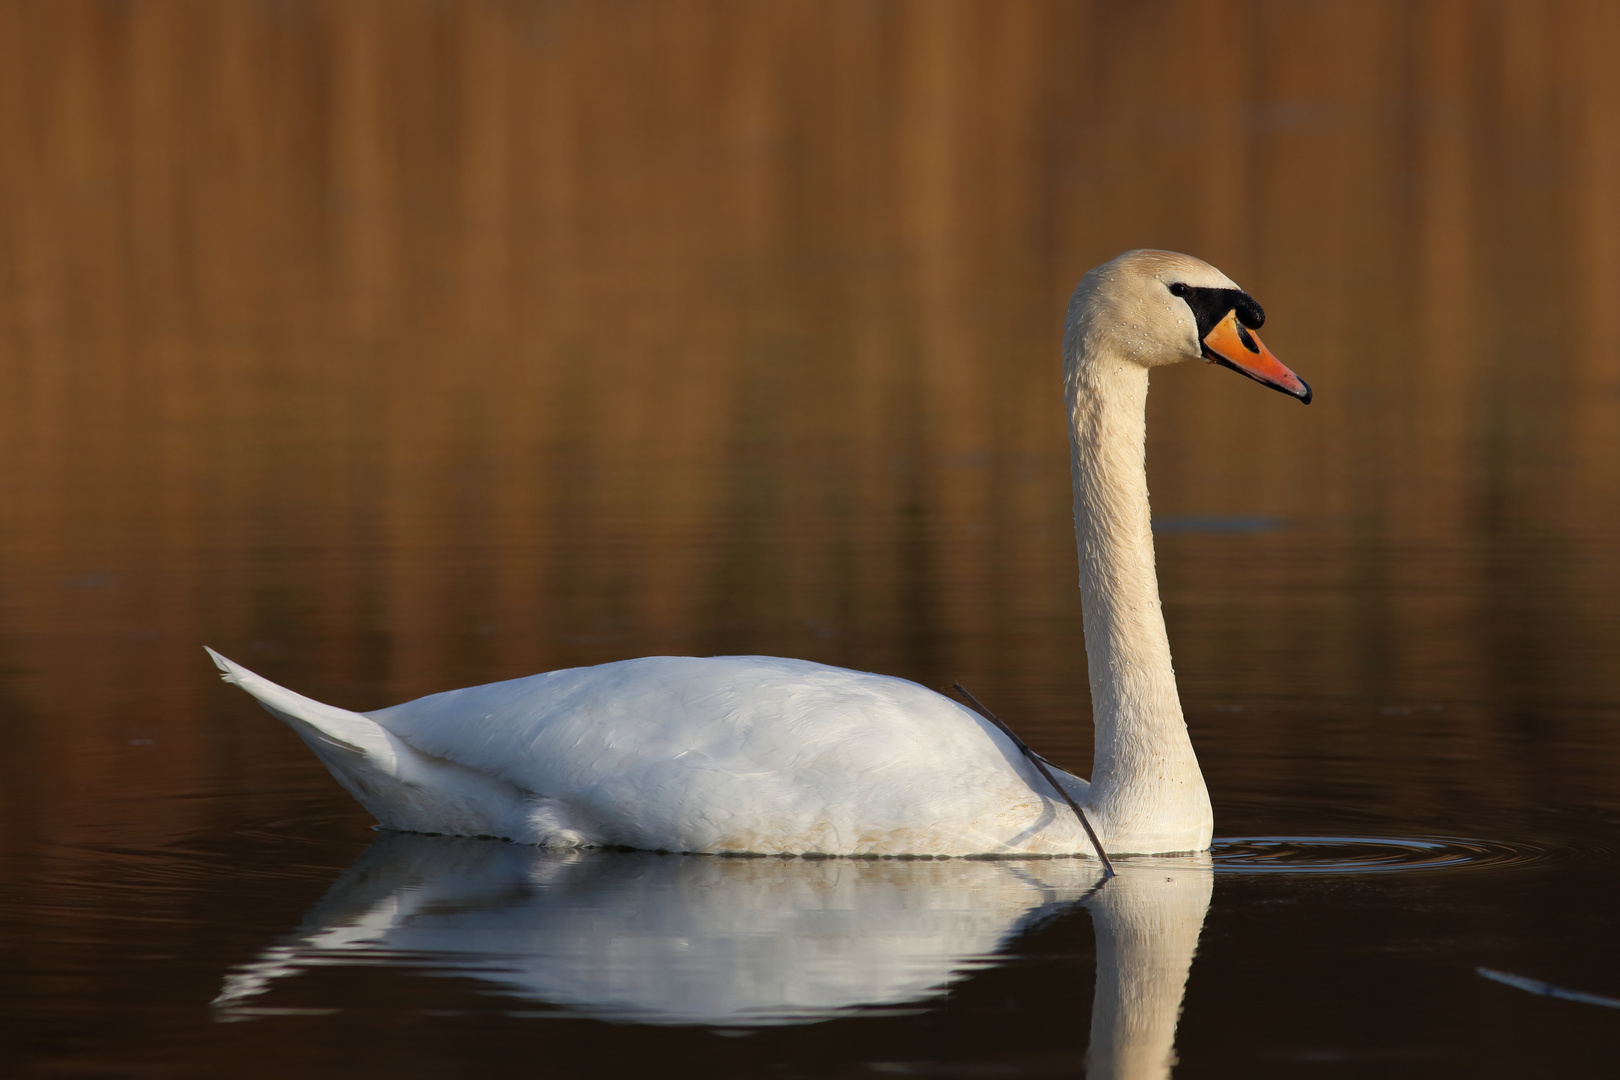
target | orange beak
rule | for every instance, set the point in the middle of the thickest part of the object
(1230, 344)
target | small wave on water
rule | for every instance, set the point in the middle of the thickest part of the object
(1364, 854)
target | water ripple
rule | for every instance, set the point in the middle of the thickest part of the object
(1366, 854)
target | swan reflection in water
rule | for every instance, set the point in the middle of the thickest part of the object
(741, 942)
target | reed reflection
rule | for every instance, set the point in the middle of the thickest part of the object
(400, 347)
(668, 939)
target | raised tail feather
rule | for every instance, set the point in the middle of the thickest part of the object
(405, 788)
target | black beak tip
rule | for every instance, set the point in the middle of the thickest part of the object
(1305, 394)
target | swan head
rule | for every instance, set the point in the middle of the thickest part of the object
(1155, 308)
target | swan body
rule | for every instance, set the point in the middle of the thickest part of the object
(766, 755)
(683, 753)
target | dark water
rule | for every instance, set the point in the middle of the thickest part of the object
(393, 347)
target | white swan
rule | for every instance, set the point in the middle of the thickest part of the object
(757, 754)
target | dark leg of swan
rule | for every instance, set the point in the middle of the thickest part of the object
(1035, 760)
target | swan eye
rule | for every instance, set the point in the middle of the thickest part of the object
(1179, 289)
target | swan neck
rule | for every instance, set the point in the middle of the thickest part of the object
(1147, 789)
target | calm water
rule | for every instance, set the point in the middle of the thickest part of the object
(394, 347)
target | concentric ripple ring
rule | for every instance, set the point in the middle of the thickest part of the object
(1364, 854)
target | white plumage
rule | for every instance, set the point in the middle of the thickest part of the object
(758, 754)
(681, 753)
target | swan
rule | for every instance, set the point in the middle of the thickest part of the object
(755, 754)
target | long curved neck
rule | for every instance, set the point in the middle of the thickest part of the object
(1147, 792)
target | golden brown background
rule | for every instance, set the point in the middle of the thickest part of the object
(390, 346)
